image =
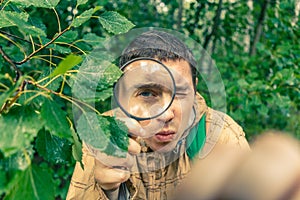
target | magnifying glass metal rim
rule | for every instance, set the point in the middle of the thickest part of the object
(144, 118)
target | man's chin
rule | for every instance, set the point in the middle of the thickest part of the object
(166, 148)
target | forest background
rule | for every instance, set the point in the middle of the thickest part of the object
(254, 43)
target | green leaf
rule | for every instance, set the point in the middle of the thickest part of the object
(60, 49)
(18, 128)
(2, 181)
(66, 64)
(9, 18)
(80, 2)
(37, 3)
(33, 183)
(95, 79)
(55, 119)
(115, 23)
(86, 15)
(106, 134)
(243, 83)
(68, 37)
(90, 131)
(77, 147)
(93, 39)
(119, 137)
(21, 159)
(104, 94)
(52, 148)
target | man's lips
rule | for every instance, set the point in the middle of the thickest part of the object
(165, 136)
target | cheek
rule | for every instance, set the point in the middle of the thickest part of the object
(184, 108)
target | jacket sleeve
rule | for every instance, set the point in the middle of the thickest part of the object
(83, 185)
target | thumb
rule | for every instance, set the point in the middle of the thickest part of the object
(134, 127)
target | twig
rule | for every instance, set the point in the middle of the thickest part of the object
(9, 103)
(42, 47)
(259, 27)
(68, 98)
(19, 38)
(8, 59)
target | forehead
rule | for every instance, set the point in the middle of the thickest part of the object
(179, 68)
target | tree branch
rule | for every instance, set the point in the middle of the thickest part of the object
(215, 25)
(42, 47)
(194, 25)
(259, 27)
(12, 64)
(179, 17)
(19, 38)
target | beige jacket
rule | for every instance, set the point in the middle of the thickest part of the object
(162, 176)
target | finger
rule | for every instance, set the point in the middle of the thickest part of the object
(112, 161)
(133, 126)
(134, 147)
(109, 178)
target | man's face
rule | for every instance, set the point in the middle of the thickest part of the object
(178, 117)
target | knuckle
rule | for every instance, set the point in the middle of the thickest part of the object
(123, 176)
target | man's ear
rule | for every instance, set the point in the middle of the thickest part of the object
(196, 82)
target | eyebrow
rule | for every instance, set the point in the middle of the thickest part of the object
(149, 85)
(182, 87)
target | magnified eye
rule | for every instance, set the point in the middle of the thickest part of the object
(147, 93)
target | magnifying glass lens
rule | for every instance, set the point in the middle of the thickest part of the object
(145, 90)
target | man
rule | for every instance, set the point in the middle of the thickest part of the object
(189, 131)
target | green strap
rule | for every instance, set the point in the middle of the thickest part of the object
(196, 139)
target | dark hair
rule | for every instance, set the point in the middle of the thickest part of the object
(162, 46)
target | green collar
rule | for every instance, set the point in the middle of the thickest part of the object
(196, 138)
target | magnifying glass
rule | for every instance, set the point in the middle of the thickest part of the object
(145, 90)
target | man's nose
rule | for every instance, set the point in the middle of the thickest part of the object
(168, 115)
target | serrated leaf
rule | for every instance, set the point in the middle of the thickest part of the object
(77, 147)
(80, 2)
(119, 133)
(33, 183)
(91, 132)
(60, 49)
(52, 148)
(95, 78)
(9, 18)
(106, 134)
(68, 37)
(66, 64)
(104, 94)
(56, 47)
(83, 17)
(93, 39)
(37, 3)
(55, 119)
(18, 128)
(115, 23)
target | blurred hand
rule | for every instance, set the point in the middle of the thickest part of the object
(270, 171)
(111, 171)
